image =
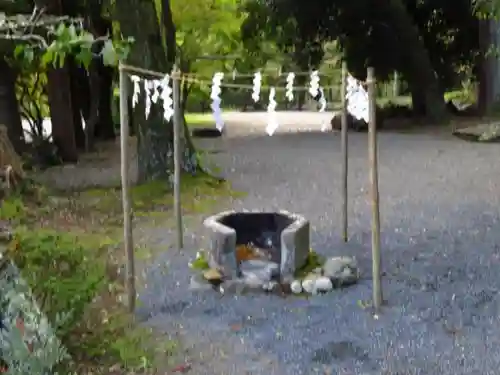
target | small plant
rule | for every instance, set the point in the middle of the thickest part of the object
(29, 344)
(63, 276)
(313, 261)
(200, 262)
(12, 209)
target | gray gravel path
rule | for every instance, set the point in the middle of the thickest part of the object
(441, 255)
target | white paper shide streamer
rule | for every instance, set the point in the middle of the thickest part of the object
(257, 84)
(166, 97)
(216, 100)
(357, 100)
(136, 82)
(272, 122)
(147, 93)
(322, 109)
(289, 86)
(314, 83)
(155, 88)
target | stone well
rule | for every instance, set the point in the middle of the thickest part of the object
(281, 237)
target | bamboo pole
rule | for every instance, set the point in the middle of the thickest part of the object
(374, 193)
(344, 151)
(177, 158)
(127, 207)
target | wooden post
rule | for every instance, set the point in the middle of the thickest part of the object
(344, 151)
(127, 207)
(176, 80)
(374, 194)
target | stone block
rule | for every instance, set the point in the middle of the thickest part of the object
(283, 234)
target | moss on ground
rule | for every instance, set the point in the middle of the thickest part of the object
(199, 194)
(199, 120)
(313, 261)
(200, 263)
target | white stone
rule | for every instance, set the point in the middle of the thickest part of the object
(253, 280)
(341, 270)
(323, 284)
(268, 287)
(296, 287)
(308, 285)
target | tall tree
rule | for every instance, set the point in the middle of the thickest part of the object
(403, 35)
(154, 49)
(206, 29)
(488, 12)
(59, 94)
(92, 85)
(9, 109)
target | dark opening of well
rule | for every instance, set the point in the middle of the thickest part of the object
(262, 230)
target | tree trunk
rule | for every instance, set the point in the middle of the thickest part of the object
(302, 62)
(79, 99)
(61, 114)
(155, 137)
(484, 97)
(489, 66)
(59, 95)
(418, 102)
(168, 30)
(416, 64)
(105, 127)
(9, 109)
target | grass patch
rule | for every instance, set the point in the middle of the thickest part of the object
(199, 194)
(394, 101)
(199, 120)
(71, 272)
(68, 248)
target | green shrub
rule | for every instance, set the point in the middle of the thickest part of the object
(12, 209)
(313, 261)
(63, 274)
(32, 348)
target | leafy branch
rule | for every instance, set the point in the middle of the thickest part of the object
(51, 39)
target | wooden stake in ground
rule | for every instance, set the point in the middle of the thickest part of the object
(344, 151)
(176, 80)
(127, 207)
(374, 194)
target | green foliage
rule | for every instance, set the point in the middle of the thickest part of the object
(70, 40)
(63, 274)
(75, 285)
(367, 33)
(200, 262)
(313, 261)
(31, 347)
(12, 209)
(207, 28)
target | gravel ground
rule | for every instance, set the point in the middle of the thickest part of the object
(440, 246)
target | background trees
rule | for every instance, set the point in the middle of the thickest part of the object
(425, 41)
(435, 46)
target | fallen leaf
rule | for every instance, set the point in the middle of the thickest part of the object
(236, 327)
(182, 368)
(212, 274)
